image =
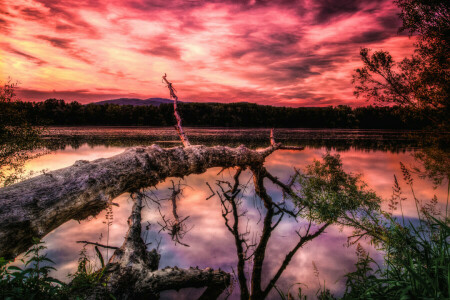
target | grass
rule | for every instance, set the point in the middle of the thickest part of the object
(33, 280)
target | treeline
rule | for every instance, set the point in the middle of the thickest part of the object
(58, 112)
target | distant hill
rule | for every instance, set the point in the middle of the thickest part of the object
(136, 101)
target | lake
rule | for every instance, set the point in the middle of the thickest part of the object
(374, 154)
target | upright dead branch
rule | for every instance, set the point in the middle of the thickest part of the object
(274, 144)
(272, 138)
(178, 126)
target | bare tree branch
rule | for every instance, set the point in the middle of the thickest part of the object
(212, 192)
(238, 237)
(97, 244)
(280, 146)
(272, 138)
(176, 227)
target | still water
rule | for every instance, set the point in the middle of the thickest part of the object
(374, 154)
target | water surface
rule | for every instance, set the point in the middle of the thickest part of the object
(375, 154)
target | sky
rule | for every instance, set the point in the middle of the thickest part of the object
(271, 52)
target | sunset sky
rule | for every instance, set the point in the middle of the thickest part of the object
(284, 53)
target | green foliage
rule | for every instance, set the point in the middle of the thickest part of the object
(429, 21)
(416, 255)
(422, 80)
(31, 282)
(417, 265)
(360, 283)
(416, 252)
(332, 195)
(87, 278)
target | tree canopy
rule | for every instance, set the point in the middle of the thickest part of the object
(58, 112)
(421, 81)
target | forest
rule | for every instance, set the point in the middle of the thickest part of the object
(56, 112)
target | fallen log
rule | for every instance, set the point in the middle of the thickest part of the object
(34, 207)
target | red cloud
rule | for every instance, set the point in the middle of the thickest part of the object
(291, 53)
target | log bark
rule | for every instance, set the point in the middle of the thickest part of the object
(34, 207)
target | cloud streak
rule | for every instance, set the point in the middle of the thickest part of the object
(295, 53)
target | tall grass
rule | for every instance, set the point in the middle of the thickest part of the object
(417, 255)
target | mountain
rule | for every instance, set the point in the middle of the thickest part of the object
(136, 101)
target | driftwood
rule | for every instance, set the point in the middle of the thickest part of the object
(34, 207)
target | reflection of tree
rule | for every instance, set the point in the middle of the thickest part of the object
(133, 273)
(342, 141)
(324, 194)
(176, 227)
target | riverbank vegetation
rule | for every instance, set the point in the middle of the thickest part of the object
(32, 280)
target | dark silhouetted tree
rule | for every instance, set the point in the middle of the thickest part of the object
(421, 81)
(17, 136)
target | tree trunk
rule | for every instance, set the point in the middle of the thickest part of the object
(34, 207)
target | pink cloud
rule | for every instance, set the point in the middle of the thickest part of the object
(294, 53)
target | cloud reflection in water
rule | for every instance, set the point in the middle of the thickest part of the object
(211, 245)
